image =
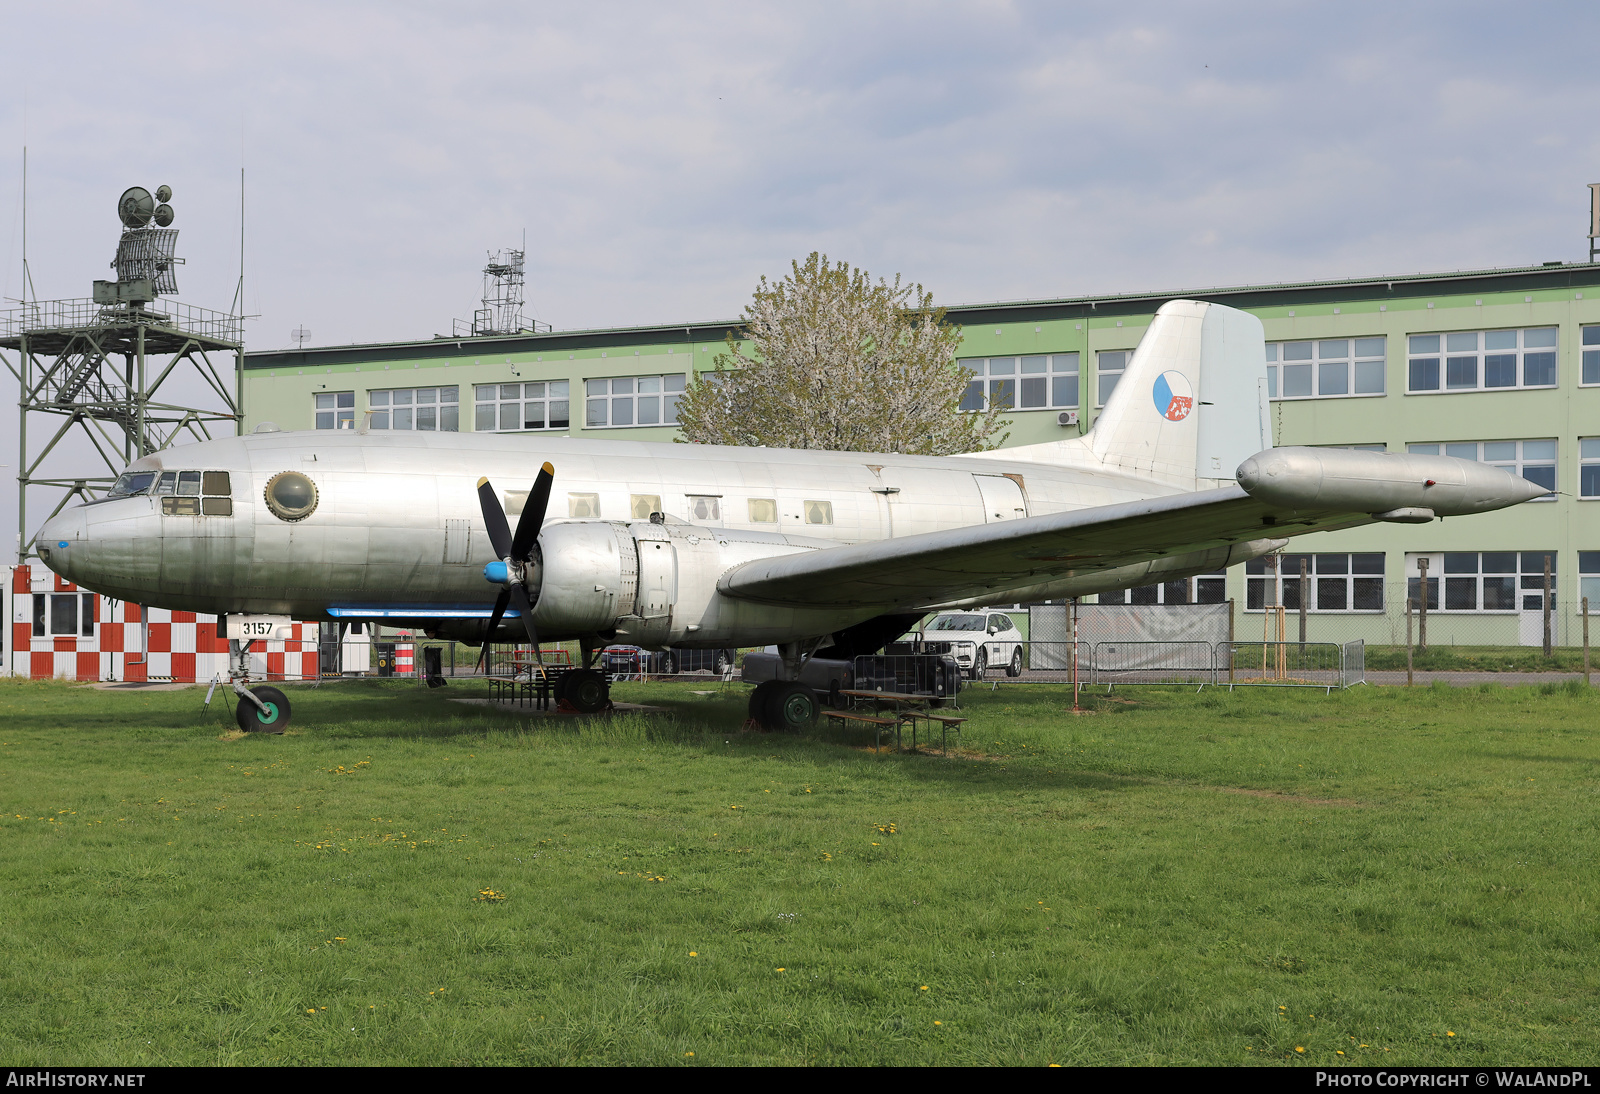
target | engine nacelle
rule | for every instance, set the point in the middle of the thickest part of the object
(579, 581)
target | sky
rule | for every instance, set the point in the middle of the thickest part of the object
(662, 157)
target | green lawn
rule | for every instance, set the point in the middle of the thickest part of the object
(1403, 876)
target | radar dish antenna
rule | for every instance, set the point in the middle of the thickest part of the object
(164, 215)
(135, 207)
(163, 193)
(299, 334)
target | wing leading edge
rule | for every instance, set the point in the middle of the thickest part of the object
(1033, 554)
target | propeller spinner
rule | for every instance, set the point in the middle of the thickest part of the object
(514, 553)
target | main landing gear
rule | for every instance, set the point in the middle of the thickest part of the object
(783, 705)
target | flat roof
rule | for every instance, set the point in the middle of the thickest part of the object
(1399, 286)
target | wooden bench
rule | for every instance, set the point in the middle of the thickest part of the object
(877, 722)
(944, 721)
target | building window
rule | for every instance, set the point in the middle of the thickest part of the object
(1204, 589)
(1035, 382)
(1589, 467)
(1481, 360)
(1355, 447)
(1588, 579)
(336, 410)
(1533, 460)
(1591, 355)
(640, 506)
(504, 408)
(433, 408)
(819, 512)
(1334, 583)
(763, 511)
(632, 400)
(584, 505)
(1486, 581)
(1109, 365)
(63, 614)
(1330, 368)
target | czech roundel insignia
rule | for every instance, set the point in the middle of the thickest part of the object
(1174, 397)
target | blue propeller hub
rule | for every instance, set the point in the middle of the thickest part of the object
(497, 572)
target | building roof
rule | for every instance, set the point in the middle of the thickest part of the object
(1400, 286)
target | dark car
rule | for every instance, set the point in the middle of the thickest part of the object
(633, 661)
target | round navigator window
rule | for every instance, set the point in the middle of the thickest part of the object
(291, 496)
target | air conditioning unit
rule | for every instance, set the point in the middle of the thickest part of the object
(1067, 417)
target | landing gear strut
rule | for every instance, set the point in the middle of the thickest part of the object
(261, 709)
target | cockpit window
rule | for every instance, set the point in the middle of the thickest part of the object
(133, 482)
(188, 484)
(957, 623)
(216, 484)
(168, 484)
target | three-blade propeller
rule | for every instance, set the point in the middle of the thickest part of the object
(514, 554)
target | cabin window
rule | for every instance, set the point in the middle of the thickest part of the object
(583, 505)
(705, 508)
(763, 511)
(819, 512)
(642, 505)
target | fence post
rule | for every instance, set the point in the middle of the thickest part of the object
(1408, 642)
(1422, 606)
(1547, 605)
(1230, 643)
(1073, 609)
(1305, 584)
(1586, 641)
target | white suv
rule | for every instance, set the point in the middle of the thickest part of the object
(978, 640)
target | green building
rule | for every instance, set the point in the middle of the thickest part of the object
(1499, 365)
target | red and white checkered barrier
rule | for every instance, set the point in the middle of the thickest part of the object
(93, 637)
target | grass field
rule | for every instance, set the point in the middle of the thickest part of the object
(1381, 875)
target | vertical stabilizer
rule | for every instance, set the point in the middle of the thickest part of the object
(1189, 409)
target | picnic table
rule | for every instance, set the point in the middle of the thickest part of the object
(529, 681)
(894, 709)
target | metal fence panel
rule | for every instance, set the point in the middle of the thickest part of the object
(1155, 663)
(1354, 668)
(1284, 664)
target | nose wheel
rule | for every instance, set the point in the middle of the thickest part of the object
(272, 716)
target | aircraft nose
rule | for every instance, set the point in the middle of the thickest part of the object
(59, 539)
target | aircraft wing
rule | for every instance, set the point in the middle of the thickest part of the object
(1284, 492)
(987, 560)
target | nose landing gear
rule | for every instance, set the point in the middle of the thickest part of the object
(262, 710)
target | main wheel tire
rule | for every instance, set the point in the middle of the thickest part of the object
(758, 701)
(586, 690)
(273, 719)
(980, 664)
(724, 664)
(668, 663)
(1015, 668)
(790, 707)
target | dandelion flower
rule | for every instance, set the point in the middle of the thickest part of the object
(1449, 1033)
(924, 987)
(1299, 1048)
(780, 970)
(938, 1023)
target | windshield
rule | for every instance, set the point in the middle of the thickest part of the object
(957, 623)
(133, 482)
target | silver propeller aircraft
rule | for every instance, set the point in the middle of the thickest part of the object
(703, 546)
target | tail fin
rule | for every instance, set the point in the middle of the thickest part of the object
(1189, 409)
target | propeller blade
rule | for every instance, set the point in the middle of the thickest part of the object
(519, 597)
(494, 622)
(533, 515)
(494, 519)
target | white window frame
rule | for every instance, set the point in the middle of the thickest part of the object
(1588, 456)
(1322, 567)
(1021, 377)
(1329, 362)
(44, 615)
(493, 402)
(334, 409)
(1588, 581)
(1215, 585)
(1109, 364)
(390, 406)
(1589, 346)
(1527, 577)
(1442, 358)
(1513, 456)
(601, 408)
